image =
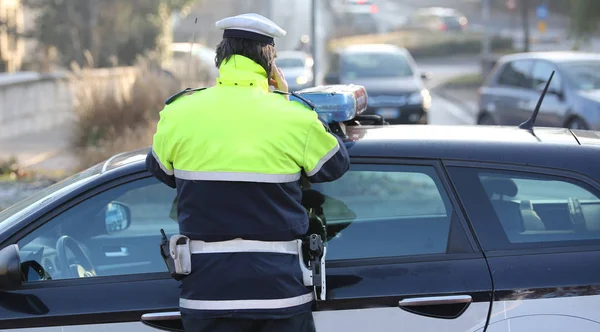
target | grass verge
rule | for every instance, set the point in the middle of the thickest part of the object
(464, 81)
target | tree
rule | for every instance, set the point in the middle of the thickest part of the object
(103, 33)
(584, 20)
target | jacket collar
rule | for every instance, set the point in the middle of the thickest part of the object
(241, 71)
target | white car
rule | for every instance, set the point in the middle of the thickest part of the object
(297, 69)
(201, 69)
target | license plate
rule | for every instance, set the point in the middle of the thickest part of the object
(390, 113)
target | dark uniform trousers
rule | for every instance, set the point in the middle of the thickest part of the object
(303, 322)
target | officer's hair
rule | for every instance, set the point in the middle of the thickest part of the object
(259, 52)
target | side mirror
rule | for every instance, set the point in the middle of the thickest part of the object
(425, 76)
(10, 268)
(117, 217)
(332, 79)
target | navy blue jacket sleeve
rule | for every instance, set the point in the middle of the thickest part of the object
(335, 163)
(153, 167)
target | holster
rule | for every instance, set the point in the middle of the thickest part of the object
(176, 253)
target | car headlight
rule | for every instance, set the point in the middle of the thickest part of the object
(302, 80)
(420, 97)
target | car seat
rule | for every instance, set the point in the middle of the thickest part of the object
(514, 217)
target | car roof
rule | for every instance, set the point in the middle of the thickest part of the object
(554, 56)
(370, 48)
(557, 148)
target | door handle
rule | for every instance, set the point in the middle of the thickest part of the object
(435, 300)
(165, 321)
(448, 307)
(123, 252)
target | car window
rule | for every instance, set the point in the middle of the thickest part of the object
(451, 21)
(381, 211)
(516, 74)
(371, 64)
(584, 73)
(372, 211)
(118, 230)
(541, 74)
(289, 62)
(533, 210)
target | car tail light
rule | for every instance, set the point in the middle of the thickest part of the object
(443, 27)
(374, 9)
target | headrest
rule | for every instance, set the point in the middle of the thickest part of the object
(505, 187)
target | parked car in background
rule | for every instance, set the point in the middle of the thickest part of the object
(511, 90)
(438, 19)
(390, 75)
(358, 17)
(297, 69)
(201, 67)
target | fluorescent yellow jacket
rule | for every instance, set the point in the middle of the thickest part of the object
(236, 152)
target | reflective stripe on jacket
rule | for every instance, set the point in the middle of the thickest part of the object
(235, 152)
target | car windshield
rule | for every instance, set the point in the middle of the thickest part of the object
(451, 21)
(289, 62)
(46, 192)
(371, 64)
(585, 74)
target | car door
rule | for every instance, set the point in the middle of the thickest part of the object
(117, 225)
(398, 254)
(509, 97)
(554, 108)
(540, 230)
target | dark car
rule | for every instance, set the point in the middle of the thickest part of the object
(390, 75)
(573, 101)
(434, 228)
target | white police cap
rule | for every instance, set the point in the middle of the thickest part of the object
(251, 26)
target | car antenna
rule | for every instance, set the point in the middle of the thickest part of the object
(187, 77)
(529, 123)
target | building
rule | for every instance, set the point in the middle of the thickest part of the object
(12, 45)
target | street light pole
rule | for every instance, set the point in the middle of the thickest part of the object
(525, 22)
(485, 47)
(313, 37)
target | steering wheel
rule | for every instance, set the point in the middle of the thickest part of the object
(83, 269)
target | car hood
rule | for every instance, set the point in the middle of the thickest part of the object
(593, 95)
(387, 85)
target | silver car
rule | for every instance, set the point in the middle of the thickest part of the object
(513, 87)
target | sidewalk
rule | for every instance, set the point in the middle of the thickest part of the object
(45, 151)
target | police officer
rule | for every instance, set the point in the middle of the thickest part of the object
(236, 153)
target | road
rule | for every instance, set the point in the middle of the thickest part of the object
(445, 111)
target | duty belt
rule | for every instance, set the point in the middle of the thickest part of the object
(177, 252)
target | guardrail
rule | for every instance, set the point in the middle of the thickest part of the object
(425, 43)
(407, 38)
(33, 102)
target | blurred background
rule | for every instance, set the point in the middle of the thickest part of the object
(82, 80)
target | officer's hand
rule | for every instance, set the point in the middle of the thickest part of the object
(278, 80)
